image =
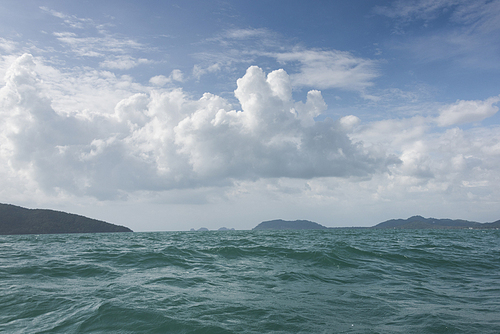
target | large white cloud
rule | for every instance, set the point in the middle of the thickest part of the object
(129, 140)
(162, 139)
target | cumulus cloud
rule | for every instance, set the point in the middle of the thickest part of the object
(38, 143)
(136, 140)
(162, 139)
(271, 137)
(467, 111)
(458, 164)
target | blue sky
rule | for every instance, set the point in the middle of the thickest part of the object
(168, 115)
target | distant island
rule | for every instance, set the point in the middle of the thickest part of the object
(201, 229)
(419, 222)
(280, 224)
(204, 229)
(19, 220)
(415, 222)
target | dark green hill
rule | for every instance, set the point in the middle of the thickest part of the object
(280, 224)
(492, 225)
(419, 222)
(18, 220)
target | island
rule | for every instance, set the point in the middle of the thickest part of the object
(19, 220)
(280, 224)
(201, 229)
(419, 222)
(204, 229)
(414, 222)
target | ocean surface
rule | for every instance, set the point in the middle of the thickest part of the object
(309, 281)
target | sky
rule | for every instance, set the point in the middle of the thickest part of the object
(172, 115)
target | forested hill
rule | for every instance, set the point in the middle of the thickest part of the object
(18, 220)
(419, 222)
(415, 222)
(280, 224)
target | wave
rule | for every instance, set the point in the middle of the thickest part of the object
(342, 281)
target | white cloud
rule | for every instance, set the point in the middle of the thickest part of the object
(99, 46)
(72, 21)
(412, 10)
(470, 38)
(478, 15)
(177, 75)
(467, 111)
(349, 122)
(313, 68)
(160, 140)
(122, 62)
(53, 12)
(83, 92)
(59, 137)
(199, 71)
(437, 167)
(7, 45)
(270, 137)
(331, 69)
(161, 80)
(257, 37)
(97, 43)
(246, 33)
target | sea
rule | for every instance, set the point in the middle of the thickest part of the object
(286, 281)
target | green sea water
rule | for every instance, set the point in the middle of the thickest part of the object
(309, 281)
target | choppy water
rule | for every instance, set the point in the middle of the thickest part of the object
(321, 281)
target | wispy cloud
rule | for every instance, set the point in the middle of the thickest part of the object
(123, 62)
(71, 21)
(416, 10)
(479, 15)
(161, 80)
(315, 68)
(247, 33)
(330, 69)
(199, 71)
(90, 39)
(7, 46)
(96, 46)
(257, 37)
(469, 37)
